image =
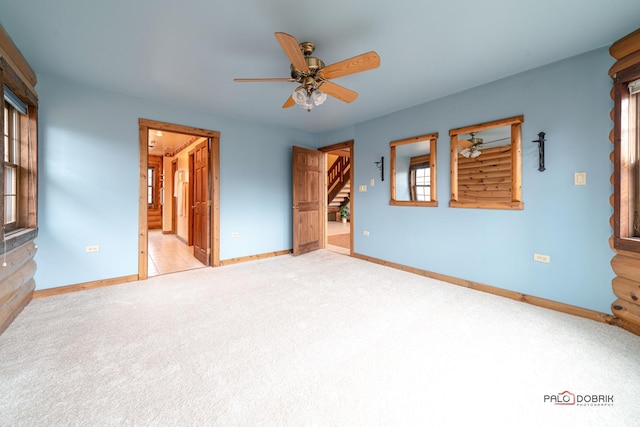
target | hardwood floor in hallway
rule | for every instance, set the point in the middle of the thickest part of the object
(167, 254)
(338, 228)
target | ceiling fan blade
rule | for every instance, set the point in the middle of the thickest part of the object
(337, 91)
(291, 48)
(275, 79)
(289, 103)
(366, 61)
(465, 143)
(496, 142)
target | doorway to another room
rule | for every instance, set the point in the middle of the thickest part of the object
(179, 203)
(339, 166)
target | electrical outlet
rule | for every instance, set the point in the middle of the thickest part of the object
(365, 233)
(93, 248)
(235, 234)
(362, 188)
(542, 258)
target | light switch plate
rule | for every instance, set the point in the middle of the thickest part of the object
(580, 178)
(542, 258)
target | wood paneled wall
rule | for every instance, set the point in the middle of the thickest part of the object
(625, 264)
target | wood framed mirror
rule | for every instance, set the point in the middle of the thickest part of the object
(486, 165)
(413, 171)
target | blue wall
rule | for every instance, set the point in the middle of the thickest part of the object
(89, 185)
(88, 182)
(568, 100)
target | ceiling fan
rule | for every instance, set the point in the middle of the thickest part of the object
(314, 77)
(470, 148)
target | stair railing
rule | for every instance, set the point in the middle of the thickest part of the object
(337, 177)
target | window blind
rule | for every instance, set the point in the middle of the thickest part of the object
(14, 101)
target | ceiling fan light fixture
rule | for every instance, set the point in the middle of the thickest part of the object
(308, 99)
(318, 97)
(300, 96)
(475, 153)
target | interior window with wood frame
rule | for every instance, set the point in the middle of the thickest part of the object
(627, 159)
(151, 176)
(486, 165)
(19, 187)
(420, 179)
(11, 166)
(413, 171)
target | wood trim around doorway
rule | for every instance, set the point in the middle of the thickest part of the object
(214, 176)
(342, 146)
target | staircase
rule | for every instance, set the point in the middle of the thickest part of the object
(341, 198)
(338, 185)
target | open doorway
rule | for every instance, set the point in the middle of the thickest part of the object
(339, 226)
(179, 198)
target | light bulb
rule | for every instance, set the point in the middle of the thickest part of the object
(475, 154)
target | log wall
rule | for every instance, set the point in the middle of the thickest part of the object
(486, 178)
(16, 282)
(625, 264)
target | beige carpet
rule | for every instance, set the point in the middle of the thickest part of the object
(317, 340)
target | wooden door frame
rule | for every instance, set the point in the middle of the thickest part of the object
(214, 188)
(342, 145)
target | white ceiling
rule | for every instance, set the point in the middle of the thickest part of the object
(188, 52)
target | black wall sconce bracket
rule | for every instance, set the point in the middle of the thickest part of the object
(380, 166)
(540, 141)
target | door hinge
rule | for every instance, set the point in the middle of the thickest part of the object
(208, 202)
(208, 251)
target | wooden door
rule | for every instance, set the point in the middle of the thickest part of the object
(174, 199)
(201, 202)
(308, 200)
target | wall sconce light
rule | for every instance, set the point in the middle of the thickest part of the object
(380, 166)
(540, 141)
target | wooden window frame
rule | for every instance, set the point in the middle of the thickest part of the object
(621, 166)
(413, 186)
(516, 165)
(13, 76)
(151, 177)
(11, 161)
(433, 140)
